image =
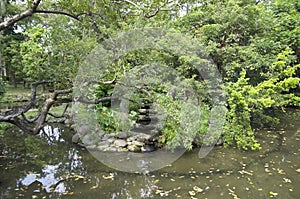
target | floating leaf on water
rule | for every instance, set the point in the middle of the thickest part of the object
(172, 180)
(163, 194)
(158, 191)
(273, 193)
(94, 187)
(192, 193)
(71, 193)
(198, 189)
(108, 177)
(281, 171)
(267, 165)
(230, 190)
(267, 170)
(245, 172)
(181, 177)
(287, 180)
(79, 176)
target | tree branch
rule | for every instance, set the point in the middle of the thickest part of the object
(132, 3)
(46, 107)
(20, 16)
(96, 101)
(9, 115)
(76, 17)
(34, 126)
(32, 10)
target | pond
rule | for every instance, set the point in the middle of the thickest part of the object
(53, 167)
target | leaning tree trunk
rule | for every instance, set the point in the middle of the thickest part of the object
(18, 117)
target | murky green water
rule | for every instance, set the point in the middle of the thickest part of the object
(55, 168)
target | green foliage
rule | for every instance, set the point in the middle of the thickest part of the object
(256, 48)
(254, 45)
(34, 54)
(185, 122)
(10, 56)
(238, 127)
(107, 119)
(246, 101)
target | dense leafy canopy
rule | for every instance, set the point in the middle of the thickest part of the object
(255, 45)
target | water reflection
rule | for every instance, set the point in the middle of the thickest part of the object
(52, 134)
(52, 177)
(71, 172)
(47, 179)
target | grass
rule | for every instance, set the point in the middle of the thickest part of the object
(10, 90)
(57, 110)
(19, 94)
(20, 90)
(15, 96)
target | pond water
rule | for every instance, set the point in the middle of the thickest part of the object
(53, 167)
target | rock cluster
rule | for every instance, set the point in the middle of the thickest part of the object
(120, 141)
(142, 137)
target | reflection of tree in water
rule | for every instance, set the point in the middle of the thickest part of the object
(38, 164)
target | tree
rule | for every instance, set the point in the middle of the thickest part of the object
(2, 88)
(255, 46)
(243, 38)
(54, 46)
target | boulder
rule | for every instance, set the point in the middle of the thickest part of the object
(105, 143)
(106, 136)
(87, 140)
(91, 147)
(75, 138)
(120, 143)
(142, 137)
(137, 143)
(101, 134)
(111, 140)
(122, 135)
(133, 148)
(102, 147)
